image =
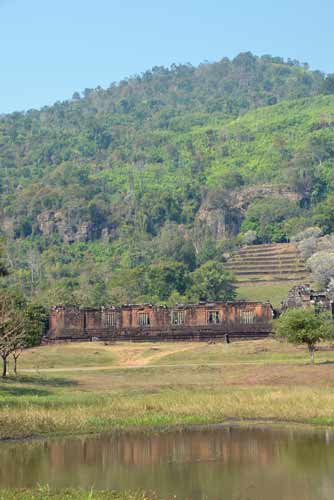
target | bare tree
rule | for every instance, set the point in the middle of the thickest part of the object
(12, 330)
(16, 353)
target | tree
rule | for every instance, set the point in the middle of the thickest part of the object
(266, 217)
(164, 277)
(3, 268)
(328, 85)
(322, 267)
(307, 247)
(304, 326)
(211, 281)
(12, 329)
(36, 317)
(18, 348)
(21, 325)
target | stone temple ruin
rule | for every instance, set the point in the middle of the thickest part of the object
(205, 321)
(304, 296)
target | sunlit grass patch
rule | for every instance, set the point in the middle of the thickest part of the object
(194, 384)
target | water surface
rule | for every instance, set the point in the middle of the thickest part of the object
(216, 464)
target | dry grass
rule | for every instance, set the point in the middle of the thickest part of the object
(195, 383)
(97, 354)
(44, 493)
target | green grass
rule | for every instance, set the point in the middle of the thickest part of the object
(268, 352)
(68, 355)
(274, 292)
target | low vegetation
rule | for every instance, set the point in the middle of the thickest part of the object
(300, 326)
(163, 385)
(44, 493)
(274, 292)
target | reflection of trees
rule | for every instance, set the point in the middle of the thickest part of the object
(196, 461)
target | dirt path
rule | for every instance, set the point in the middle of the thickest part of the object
(158, 355)
(125, 359)
(143, 366)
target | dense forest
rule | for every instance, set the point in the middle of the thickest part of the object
(137, 192)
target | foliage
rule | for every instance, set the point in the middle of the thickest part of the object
(3, 267)
(322, 267)
(304, 326)
(310, 232)
(211, 282)
(266, 219)
(307, 247)
(96, 190)
(249, 237)
(35, 317)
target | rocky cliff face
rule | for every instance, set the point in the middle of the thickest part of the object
(220, 216)
(61, 223)
(222, 211)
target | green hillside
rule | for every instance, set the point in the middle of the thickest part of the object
(136, 192)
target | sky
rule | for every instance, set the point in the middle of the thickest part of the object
(52, 48)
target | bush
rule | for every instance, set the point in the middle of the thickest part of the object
(307, 247)
(310, 232)
(326, 243)
(303, 326)
(212, 282)
(321, 265)
(249, 237)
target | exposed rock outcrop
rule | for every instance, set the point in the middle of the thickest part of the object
(222, 211)
(50, 222)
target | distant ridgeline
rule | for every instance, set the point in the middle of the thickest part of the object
(137, 192)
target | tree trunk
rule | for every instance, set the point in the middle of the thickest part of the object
(311, 349)
(4, 367)
(15, 365)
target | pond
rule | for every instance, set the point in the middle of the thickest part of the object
(219, 463)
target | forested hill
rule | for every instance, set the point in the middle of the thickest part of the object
(126, 193)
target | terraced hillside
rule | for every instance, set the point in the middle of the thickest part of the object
(268, 271)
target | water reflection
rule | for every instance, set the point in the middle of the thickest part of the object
(224, 464)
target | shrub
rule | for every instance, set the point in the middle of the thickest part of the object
(303, 326)
(249, 237)
(310, 232)
(307, 247)
(321, 265)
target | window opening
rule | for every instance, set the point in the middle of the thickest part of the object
(108, 319)
(247, 317)
(144, 319)
(177, 317)
(213, 317)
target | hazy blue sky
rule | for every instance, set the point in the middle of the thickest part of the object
(50, 48)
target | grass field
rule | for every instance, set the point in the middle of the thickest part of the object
(149, 386)
(275, 292)
(70, 494)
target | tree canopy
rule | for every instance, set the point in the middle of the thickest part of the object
(304, 326)
(105, 194)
